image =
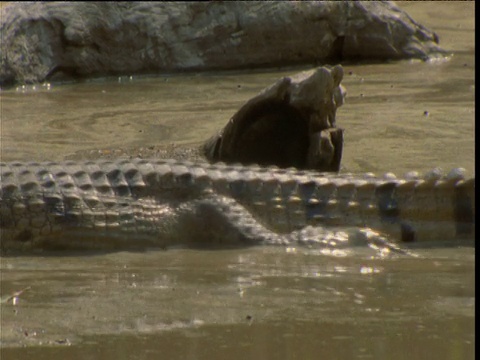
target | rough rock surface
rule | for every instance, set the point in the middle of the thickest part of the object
(45, 40)
(291, 123)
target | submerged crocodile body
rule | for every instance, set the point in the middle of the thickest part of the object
(144, 203)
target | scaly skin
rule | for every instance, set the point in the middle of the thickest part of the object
(142, 203)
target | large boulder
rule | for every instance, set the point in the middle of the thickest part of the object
(45, 40)
(291, 123)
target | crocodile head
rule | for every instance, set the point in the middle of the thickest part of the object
(291, 123)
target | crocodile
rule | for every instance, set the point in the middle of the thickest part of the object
(141, 203)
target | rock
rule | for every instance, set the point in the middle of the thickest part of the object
(291, 123)
(57, 40)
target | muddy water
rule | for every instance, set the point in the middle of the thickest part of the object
(257, 303)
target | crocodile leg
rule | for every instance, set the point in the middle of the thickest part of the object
(223, 220)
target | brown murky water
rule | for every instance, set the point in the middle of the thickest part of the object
(256, 303)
